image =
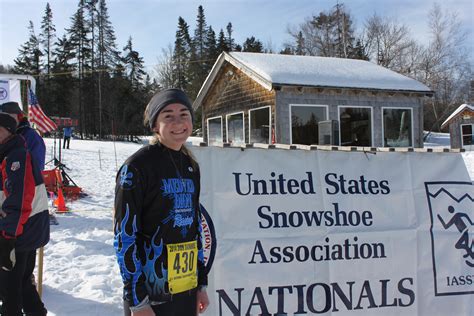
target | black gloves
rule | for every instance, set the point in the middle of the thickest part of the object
(7, 253)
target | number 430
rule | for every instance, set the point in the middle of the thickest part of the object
(184, 263)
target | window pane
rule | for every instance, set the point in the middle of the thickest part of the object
(466, 129)
(260, 126)
(467, 140)
(214, 126)
(356, 126)
(235, 129)
(397, 128)
(304, 124)
(467, 135)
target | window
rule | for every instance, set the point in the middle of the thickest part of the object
(356, 126)
(304, 123)
(397, 127)
(259, 123)
(467, 134)
(235, 128)
(214, 130)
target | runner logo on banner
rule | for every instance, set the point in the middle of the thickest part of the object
(452, 236)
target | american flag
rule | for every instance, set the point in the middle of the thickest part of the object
(37, 116)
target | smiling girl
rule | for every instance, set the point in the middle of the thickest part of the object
(157, 217)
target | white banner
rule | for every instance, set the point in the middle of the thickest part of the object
(318, 232)
(15, 92)
(10, 91)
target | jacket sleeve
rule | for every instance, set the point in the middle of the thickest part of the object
(19, 191)
(37, 147)
(129, 195)
(202, 273)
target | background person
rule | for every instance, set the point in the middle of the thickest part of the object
(157, 217)
(67, 132)
(24, 223)
(34, 141)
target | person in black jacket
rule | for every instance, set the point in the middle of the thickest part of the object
(157, 222)
(24, 223)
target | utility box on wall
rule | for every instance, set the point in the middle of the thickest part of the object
(328, 132)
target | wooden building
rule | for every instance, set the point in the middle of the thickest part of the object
(268, 98)
(461, 127)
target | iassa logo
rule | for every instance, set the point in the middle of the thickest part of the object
(3, 94)
(209, 241)
(451, 206)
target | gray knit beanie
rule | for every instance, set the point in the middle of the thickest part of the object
(163, 98)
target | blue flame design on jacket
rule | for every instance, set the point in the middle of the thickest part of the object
(122, 243)
(157, 205)
(155, 285)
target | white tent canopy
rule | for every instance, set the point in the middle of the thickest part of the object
(10, 87)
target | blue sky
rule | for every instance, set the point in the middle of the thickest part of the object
(152, 23)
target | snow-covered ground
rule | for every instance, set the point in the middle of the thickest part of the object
(80, 273)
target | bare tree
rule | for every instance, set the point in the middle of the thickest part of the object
(164, 70)
(445, 66)
(388, 43)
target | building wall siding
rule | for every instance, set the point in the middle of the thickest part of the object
(344, 97)
(233, 91)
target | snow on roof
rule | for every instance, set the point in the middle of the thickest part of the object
(326, 72)
(461, 108)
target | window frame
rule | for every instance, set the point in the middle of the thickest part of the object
(222, 128)
(227, 126)
(462, 135)
(269, 122)
(359, 107)
(412, 124)
(326, 106)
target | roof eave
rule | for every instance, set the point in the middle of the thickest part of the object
(425, 92)
(449, 119)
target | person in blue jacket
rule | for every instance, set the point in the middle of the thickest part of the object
(34, 141)
(24, 223)
(67, 132)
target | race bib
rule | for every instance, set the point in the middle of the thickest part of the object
(182, 262)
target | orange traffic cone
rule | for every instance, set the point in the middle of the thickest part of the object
(59, 202)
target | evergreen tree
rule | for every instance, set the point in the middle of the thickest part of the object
(134, 65)
(79, 38)
(328, 34)
(212, 52)
(197, 71)
(252, 45)
(93, 107)
(108, 55)
(182, 54)
(222, 44)
(287, 50)
(106, 59)
(230, 39)
(299, 44)
(199, 39)
(47, 35)
(359, 51)
(63, 84)
(28, 61)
